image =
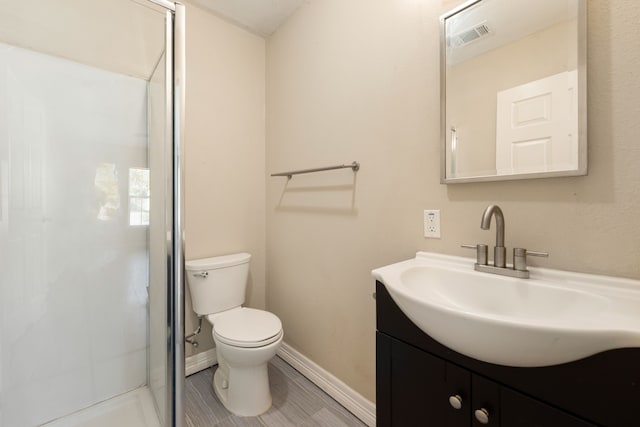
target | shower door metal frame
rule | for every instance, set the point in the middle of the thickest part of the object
(174, 109)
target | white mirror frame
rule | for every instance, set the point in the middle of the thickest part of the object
(582, 106)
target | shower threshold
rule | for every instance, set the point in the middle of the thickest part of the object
(132, 409)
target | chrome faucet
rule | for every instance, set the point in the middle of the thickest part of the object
(499, 266)
(499, 252)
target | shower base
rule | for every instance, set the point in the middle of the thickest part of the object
(132, 409)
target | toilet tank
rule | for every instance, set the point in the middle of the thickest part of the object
(217, 284)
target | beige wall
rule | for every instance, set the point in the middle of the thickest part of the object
(123, 36)
(225, 149)
(359, 80)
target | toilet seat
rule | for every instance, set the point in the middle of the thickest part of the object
(244, 344)
(247, 327)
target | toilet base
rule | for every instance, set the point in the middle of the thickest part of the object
(242, 379)
(243, 391)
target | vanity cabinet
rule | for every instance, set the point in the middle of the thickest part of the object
(428, 391)
(419, 381)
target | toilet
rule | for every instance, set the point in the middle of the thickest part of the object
(246, 338)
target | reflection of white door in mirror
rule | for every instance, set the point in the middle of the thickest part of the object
(537, 126)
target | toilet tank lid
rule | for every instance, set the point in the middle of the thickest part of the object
(217, 262)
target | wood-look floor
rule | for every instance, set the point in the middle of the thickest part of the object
(297, 402)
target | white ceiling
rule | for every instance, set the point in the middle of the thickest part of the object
(261, 17)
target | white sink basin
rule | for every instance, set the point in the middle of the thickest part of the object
(554, 317)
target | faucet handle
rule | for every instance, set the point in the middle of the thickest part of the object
(536, 253)
(520, 257)
(482, 251)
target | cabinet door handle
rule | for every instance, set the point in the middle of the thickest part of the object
(482, 415)
(455, 401)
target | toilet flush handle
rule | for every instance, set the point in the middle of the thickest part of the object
(203, 274)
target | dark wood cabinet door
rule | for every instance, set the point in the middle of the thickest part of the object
(458, 387)
(521, 411)
(485, 396)
(383, 380)
(418, 395)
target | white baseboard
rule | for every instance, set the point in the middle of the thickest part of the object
(200, 361)
(330, 384)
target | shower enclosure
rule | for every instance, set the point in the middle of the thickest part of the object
(91, 256)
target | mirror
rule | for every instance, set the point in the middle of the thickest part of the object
(513, 90)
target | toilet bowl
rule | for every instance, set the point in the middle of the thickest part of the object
(245, 338)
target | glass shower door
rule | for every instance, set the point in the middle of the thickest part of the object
(84, 175)
(158, 241)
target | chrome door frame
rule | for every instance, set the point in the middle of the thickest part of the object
(174, 109)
